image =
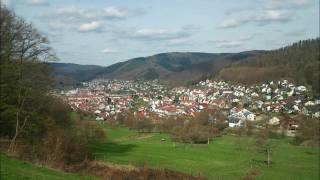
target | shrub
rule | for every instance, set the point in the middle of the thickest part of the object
(193, 133)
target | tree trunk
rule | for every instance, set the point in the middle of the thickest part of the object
(268, 153)
(13, 140)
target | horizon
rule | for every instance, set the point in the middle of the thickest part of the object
(107, 32)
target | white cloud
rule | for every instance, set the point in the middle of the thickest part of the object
(109, 51)
(234, 43)
(262, 17)
(74, 17)
(179, 42)
(56, 25)
(37, 2)
(79, 14)
(73, 12)
(290, 4)
(92, 26)
(229, 44)
(115, 12)
(270, 11)
(157, 34)
(231, 23)
(274, 15)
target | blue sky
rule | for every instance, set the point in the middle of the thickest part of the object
(104, 32)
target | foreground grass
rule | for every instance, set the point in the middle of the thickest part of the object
(226, 157)
(15, 169)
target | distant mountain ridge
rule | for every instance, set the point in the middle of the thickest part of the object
(175, 68)
(298, 62)
(70, 74)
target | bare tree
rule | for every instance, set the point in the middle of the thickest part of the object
(21, 41)
(263, 142)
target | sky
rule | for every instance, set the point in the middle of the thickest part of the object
(103, 32)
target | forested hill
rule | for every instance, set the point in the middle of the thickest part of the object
(298, 62)
(69, 74)
(178, 68)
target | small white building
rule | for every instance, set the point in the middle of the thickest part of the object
(274, 121)
(301, 88)
(99, 118)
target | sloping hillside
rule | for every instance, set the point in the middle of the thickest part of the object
(175, 68)
(68, 74)
(15, 169)
(298, 62)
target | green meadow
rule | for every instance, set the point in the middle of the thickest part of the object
(13, 169)
(226, 157)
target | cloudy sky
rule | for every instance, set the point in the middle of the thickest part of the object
(103, 32)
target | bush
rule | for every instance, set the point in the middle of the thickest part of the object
(308, 133)
(193, 133)
(99, 133)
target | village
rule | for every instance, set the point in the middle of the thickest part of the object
(239, 103)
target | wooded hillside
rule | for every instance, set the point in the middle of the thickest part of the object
(298, 62)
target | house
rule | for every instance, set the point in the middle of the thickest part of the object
(301, 88)
(99, 118)
(249, 115)
(313, 111)
(275, 107)
(309, 103)
(242, 113)
(234, 121)
(289, 126)
(97, 111)
(274, 121)
(219, 102)
(257, 104)
(296, 108)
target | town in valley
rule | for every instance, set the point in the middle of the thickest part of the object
(278, 101)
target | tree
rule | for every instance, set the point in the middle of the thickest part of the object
(20, 41)
(25, 79)
(308, 132)
(194, 132)
(263, 143)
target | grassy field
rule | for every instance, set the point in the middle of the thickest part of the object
(226, 157)
(13, 169)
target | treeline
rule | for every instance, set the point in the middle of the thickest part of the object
(298, 62)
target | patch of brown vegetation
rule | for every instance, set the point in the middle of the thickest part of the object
(250, 174)
(252, 75)
(109, 171)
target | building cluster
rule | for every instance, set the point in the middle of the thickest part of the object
(106, 98)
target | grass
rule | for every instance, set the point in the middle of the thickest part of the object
(13, 169)
(226, 157)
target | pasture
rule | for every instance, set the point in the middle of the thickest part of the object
(227, 157)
